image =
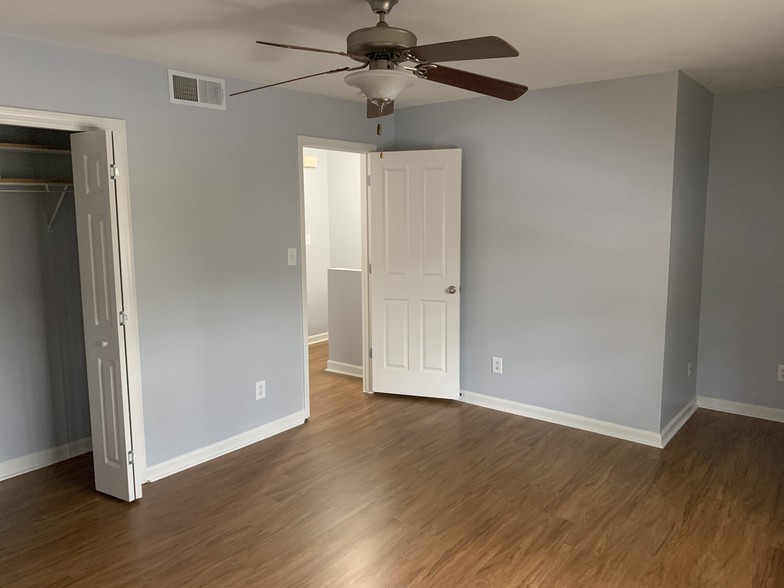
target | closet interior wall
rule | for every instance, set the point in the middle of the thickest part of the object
(44, 403)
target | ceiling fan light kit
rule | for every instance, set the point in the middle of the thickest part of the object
(380, 86)
(383, 50)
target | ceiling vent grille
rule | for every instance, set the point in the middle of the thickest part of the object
(196, 90)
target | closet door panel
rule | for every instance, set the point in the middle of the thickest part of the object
(99, 266)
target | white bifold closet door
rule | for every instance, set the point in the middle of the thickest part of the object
(414, 226)
(104, 333)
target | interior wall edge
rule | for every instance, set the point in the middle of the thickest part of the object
(742, 409)
(344, 369)
(40, 459)
(653, 439)
(318, 338)
(677, 422)
(199, 456)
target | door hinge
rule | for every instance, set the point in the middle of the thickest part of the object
(123, 318)
(368, 180)
(371, 353)
(131, 457)
(114, 171)
(370, 268)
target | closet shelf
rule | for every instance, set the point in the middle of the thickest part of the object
(33, 182)
(27, 148)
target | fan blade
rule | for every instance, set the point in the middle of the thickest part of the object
(479, 48)
(323, 73)
(473, 82)
(372, 109)
(300, 48)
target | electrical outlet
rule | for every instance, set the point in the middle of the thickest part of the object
(688, 370)
(781, 372)
(261, 389)
(498, 365)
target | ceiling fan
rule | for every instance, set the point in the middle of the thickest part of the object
(385, 53)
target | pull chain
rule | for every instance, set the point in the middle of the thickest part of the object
(378, 125)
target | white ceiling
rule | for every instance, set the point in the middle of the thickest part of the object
(723, 44)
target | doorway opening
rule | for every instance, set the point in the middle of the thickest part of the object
(63, 378)
(45, 407)
(333, 192)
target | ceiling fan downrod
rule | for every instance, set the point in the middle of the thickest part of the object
(382, 7)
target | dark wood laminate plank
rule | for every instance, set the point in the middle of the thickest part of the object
(393, 491)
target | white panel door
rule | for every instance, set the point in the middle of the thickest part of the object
(415, 272)
(99, 266)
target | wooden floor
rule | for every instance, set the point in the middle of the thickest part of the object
(381, 491)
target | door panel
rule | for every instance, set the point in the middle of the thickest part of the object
(415, 258)
(434, 335)
(396, 334)
(99, 267)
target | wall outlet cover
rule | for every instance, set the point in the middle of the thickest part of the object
(781, 372)
(261, 389)
(498, 365)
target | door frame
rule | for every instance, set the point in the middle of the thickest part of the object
(77, 122)
(304, 142)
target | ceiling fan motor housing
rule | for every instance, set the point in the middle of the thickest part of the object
(381, 42)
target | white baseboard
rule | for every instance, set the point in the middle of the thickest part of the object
(739, 408)
(319, 338)
(677, 422)
(199, 456)
(345, 369)
(41, 459)
(565, 418)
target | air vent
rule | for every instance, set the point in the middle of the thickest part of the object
(196, 90)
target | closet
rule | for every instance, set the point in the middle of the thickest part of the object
(44, 407)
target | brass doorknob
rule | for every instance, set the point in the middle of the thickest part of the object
(451, 290)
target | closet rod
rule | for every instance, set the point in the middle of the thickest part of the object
(57, 209)
(31, 191)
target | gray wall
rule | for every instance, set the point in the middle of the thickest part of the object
(27, 418)
(566, 231)
(43, 380)
(689, 193)
(43, 389)
(332, 219)
(65, 329)
(316, 187)
(742, 325)
(214, 202)
(345, 316)
(345, 201)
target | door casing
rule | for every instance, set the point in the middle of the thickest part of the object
(76, 122)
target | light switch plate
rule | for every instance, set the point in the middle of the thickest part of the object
(781, 372)
(292, 256)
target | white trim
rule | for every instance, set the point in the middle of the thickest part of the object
(564, 418)
(199, 456)
(77, 122)
(320, 338)
(349, 147)
(344, 369)
(41, 459)
(750, 410)
(678, 421)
